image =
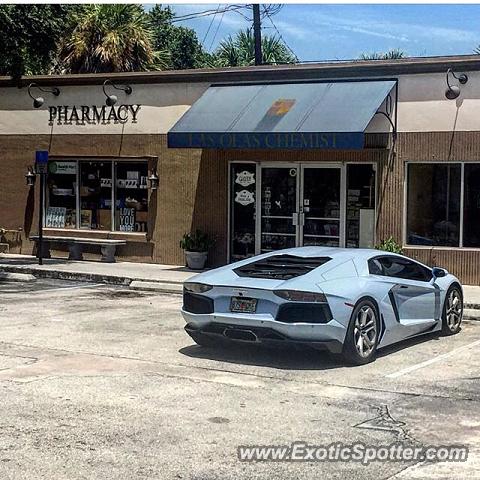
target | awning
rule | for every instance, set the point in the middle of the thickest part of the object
(284, 116)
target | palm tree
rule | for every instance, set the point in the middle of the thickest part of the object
(240, 50)
(390, 55)
(110, 38)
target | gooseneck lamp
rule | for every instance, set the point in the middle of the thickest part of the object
(111, 100)
(39, 101)
(453, 91)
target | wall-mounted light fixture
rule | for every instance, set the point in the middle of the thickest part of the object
(39, 101)
(154, 181)
(30, 177)
(113, 99)
(453, 91)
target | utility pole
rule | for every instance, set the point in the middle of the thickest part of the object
(257, 34)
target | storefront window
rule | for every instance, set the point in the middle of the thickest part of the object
(471, 209)
(433, 210)
(89, 206)
(61, 209)
(131, 197)
(360, 228)
(242, 213)
(96, 195)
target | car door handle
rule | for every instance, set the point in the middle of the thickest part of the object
(403, 286)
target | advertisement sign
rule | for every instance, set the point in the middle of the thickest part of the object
(55, 217)
(244, 197)
(127, 219)
(63, 168)
(245, 178)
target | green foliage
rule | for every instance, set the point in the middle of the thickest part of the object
(181, 42)
(196, 242)
(29, 36)
(110, 38)
(389, 245)
(240, 50)
(390, 55)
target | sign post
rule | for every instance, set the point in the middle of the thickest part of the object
(41, 164)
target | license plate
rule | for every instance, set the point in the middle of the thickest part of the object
(243, 305)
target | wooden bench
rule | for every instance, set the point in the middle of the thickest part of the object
(75, 246)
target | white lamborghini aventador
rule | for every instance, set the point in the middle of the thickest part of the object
(348, 301)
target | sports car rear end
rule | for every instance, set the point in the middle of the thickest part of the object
(272, 299)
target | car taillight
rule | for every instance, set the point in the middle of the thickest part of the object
(297, 296)
(197, 287)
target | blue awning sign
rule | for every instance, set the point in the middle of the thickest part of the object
(323, 115)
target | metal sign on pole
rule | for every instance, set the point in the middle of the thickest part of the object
(41, 165)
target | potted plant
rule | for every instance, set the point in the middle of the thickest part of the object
(389, 245)
(196, 247)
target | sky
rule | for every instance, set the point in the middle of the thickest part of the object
(345, 31)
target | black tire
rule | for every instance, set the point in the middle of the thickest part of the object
(202, 339)
(351, 353)
(452, 313)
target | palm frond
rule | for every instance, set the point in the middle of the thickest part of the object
(110, 38)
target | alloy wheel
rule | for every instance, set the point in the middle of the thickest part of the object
(454, 310)
(365, 331)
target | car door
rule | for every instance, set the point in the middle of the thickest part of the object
(415, 299)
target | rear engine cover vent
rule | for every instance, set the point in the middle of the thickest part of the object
(280, 267)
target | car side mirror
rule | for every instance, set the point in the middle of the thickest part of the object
(438, 272)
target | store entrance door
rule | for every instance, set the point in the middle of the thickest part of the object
(300, 205)
(279, 213)
(320, 206)
(285, 205)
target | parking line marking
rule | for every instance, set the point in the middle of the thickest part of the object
(432, 360)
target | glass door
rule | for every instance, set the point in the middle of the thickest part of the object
(321, 206)
(278, 222)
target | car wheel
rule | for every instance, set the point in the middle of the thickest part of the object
(452, 311)
(202, 339)
(361, 341)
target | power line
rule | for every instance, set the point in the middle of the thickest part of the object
(211, 23)
(216, 31)
(280, 35)
(206, 13)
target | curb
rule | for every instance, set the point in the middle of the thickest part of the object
(471, 314)
(17, 277)
(156, 286)
(6, 271)
(60, 275)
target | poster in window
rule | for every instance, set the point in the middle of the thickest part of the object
(55, 217)
(245, 178)
(127, 219)
(244, 197)
(85, 218)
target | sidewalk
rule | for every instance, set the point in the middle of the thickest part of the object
(144, 276)
(140, 276)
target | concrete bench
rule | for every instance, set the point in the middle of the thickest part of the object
(75, 245)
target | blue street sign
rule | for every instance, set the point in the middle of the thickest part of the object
(41, 156)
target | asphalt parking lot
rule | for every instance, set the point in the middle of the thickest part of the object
(102, 382)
